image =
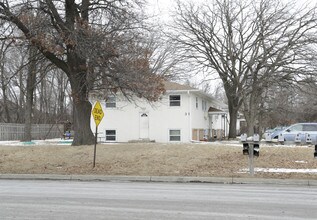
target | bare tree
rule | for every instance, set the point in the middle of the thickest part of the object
(17, 68)
(10, 67)
(30, 87)
(249, 44)
(4, 78)
(89, 41)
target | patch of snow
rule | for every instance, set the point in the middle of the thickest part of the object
(10, 143)
(300, 161)
(56, 141)
(233, 143)
(280, 170)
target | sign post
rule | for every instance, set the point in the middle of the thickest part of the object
(251, 155)
(251, 148)
(98, 115)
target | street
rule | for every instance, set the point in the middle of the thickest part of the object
(26, 199)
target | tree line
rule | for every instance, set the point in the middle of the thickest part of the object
(55, 54)
(259, 49)
(50, 87)
(102, 47)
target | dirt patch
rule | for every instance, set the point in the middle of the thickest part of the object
(154, 159)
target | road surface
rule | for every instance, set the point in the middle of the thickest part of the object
(25, 199)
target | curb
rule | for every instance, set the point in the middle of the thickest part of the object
(172, 179)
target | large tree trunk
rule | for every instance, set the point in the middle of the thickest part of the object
(30, 85)
(83, 133)
(82, 106)
(251, 122)
(77, 74)
(251, 110)
(233, 113)
(82, 111)
(234, 103)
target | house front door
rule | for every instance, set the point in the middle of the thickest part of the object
(144, 125)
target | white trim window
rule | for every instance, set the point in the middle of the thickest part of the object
(196, 102)
(111, 102)
(111, 135)
(175, 100)
(204, 105)
(174, 135)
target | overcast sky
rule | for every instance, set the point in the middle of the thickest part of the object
(161, 8)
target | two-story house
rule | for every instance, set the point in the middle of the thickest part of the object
(183, 114)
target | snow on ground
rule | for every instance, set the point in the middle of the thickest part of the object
(235, 143)
(56, 141)
(281, 170)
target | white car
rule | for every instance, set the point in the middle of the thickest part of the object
(301, 132)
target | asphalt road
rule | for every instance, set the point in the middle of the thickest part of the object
(25, 199)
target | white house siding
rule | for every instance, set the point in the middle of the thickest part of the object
(126, 118)
(123, 119)
(199, 116)
(165, 118)
(199, 119)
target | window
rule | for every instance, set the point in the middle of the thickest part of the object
(175, 100)
(204, 105)
(110, 135)
(296, 128)
(196, 102)
(111, 102)
(310, 127)
(175, 135)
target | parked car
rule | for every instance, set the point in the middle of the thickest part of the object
(300, 130)
(274, 132)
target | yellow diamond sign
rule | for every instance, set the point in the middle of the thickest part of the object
(97, 113)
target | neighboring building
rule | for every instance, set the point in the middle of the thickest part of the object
(183, 114)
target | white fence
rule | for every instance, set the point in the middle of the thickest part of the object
(9, 131)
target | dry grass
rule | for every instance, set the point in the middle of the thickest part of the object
(154, 159)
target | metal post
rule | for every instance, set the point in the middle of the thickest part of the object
(95, 147)
(251, 166)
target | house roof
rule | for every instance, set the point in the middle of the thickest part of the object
(212, 109)
(177, 86)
